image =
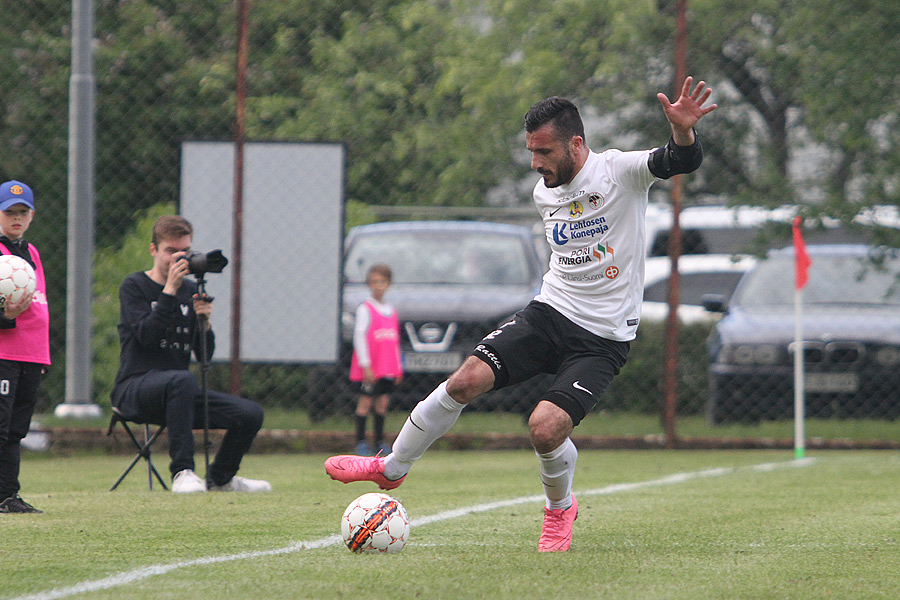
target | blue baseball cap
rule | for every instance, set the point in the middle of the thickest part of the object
(15, 192)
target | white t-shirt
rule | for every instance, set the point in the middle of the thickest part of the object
(595, 228)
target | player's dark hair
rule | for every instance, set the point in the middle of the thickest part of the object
(171, 226)
(380, 269)
(561, 113)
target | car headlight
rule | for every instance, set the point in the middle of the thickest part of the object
(751, 354)
(887, 356)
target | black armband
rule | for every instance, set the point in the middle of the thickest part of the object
(673, 159)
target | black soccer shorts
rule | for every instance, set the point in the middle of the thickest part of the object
(541, 340)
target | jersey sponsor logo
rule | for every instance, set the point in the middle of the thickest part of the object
(184, 309)
(631, 322)
(596, 199)
(559, 234)
(574, 260)
(612, 272)
(382, 335)
(576, 209)
(555, 210)
(602, 250)
(577, 257)
(589, 228)
(572, 196)
(580, 277)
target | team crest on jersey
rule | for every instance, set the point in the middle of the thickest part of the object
(595, 199)
(576, 209)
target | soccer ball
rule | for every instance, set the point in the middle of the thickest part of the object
(16, 278)
(375, 522)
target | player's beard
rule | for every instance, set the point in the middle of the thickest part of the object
(565, 171)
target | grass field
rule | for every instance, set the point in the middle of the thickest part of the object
(653, 524)
(601, 423)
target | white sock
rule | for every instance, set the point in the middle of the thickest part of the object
(430, 419)
(557, 472)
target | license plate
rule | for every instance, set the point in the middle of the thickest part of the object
(832, 383)
(431, 362)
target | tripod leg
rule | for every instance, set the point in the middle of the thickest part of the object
(149, 464)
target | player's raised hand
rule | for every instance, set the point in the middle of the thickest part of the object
(687, 110)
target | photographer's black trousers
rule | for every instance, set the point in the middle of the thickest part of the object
(176, 399)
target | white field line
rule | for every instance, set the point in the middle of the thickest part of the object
(126, 577)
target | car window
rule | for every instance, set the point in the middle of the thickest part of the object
(833, 279)
(692, 287)
(433, 257)
(749, 240)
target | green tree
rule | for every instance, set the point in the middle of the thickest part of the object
(807, 95)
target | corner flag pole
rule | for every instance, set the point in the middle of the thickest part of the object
(801, 274)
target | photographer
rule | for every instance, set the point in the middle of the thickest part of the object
(162, 316)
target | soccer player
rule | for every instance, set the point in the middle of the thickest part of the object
(581, 323)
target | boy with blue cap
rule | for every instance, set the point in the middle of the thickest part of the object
(24, 344)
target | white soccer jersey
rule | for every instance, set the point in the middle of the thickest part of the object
(595, 228)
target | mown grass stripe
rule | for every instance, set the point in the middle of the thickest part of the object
(126, 577)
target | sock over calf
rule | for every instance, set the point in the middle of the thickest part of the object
(430, 419)
(557, 473)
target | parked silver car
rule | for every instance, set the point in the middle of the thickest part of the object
(851, 338)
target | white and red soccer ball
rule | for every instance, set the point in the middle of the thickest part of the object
(375, 522)
(17, 279)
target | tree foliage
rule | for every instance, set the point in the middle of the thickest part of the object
(428, 97)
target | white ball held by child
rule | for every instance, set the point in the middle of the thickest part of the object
(17, 279)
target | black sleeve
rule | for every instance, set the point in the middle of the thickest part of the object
(673, 159)
(149, 324)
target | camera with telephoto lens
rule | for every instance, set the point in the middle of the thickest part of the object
(205, 262)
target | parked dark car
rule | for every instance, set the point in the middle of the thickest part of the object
(453, 283)
(851, 338)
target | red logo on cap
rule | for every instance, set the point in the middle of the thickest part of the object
(16, 189)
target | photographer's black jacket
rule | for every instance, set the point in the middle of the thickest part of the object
(157, 331)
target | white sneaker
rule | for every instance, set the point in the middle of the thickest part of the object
(187, 482)
(242, 484)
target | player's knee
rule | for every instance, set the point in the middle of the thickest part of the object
(470, 381)
(549, 426)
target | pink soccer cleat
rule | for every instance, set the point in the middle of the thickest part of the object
(556, 534)
(346, 468)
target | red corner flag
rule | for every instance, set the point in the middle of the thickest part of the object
(801, 258)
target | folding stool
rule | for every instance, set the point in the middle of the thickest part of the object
(143, 448)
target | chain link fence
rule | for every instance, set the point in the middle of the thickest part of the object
(427, 99)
